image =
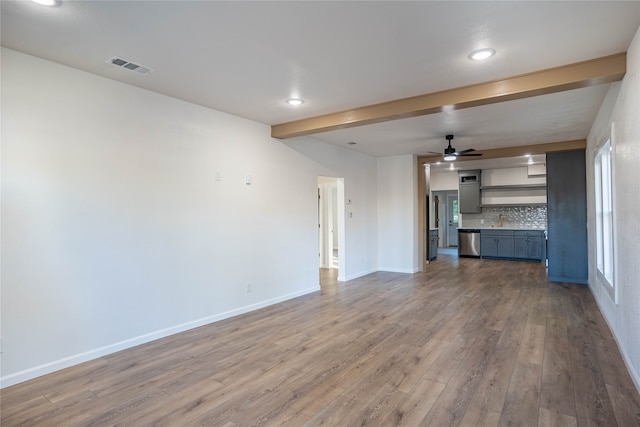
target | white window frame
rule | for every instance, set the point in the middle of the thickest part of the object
(605, 216)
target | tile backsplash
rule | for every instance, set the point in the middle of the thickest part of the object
(528, 216)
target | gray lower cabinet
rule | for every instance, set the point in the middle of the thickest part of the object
(513, 244)
(528, 244)
(496, 243)
(433, 244)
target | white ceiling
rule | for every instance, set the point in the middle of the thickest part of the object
(247, 58)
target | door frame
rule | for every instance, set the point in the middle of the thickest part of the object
(450, 195)
(443, 227)
(330, 211)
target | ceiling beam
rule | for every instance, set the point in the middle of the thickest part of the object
(582, 74)
(579, 144)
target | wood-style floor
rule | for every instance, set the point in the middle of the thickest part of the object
(469, 342)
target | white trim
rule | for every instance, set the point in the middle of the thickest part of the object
(609, 286)
(399, 270)
(76, 359)
(355, 276)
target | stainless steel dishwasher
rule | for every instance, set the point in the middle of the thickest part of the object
(469, 242)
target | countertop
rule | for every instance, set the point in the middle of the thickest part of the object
(501, 228)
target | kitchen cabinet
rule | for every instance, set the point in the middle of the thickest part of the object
(567, 217)
(469, 191)
(529, 244)
(496, 244)
(433, 244)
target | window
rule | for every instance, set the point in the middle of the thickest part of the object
(604, 214)
(455, 211)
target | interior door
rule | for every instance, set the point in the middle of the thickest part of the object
(452, 219)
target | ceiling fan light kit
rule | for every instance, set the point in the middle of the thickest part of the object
(450, 153)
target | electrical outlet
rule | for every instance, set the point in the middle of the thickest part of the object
(218, 176)
(249, 288)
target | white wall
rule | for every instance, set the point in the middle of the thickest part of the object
(398, 214)
(621, 107)
(115, 231)
(360, 187)
(444, 180)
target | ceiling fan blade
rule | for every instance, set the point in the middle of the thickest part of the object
(465, 151)
(433, 152)
(468, 154)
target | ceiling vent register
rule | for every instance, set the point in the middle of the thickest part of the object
(136, 68)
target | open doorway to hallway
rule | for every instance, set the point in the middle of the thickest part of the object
(331, 228)
(447, 218)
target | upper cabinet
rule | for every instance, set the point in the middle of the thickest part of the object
(469, 191)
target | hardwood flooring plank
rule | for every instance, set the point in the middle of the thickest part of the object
(413, 407)
(521, 405)
(549, 418)
(446, 365)
(626, 405)
(422, 361)
(532, 345)
(449, 409)
(557, 388)
(25, 412)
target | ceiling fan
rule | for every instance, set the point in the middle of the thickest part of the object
(450, 153)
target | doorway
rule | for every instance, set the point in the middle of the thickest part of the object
(446, 208)
(452, 219)
(331, 227)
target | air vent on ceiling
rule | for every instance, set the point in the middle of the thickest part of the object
(123, 63)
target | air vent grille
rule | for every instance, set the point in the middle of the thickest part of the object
(123, 63)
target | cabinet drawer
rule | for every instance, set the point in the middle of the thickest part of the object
(528, 233)
(497, 233)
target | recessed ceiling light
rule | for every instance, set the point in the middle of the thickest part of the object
(47, 2)
(295, 101)
(481, 54)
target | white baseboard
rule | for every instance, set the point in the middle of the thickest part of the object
(76, 359)
(399, 270)
(355, 276)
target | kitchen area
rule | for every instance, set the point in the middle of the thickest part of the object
(500, 212)
(505, 209)
(503, 214)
